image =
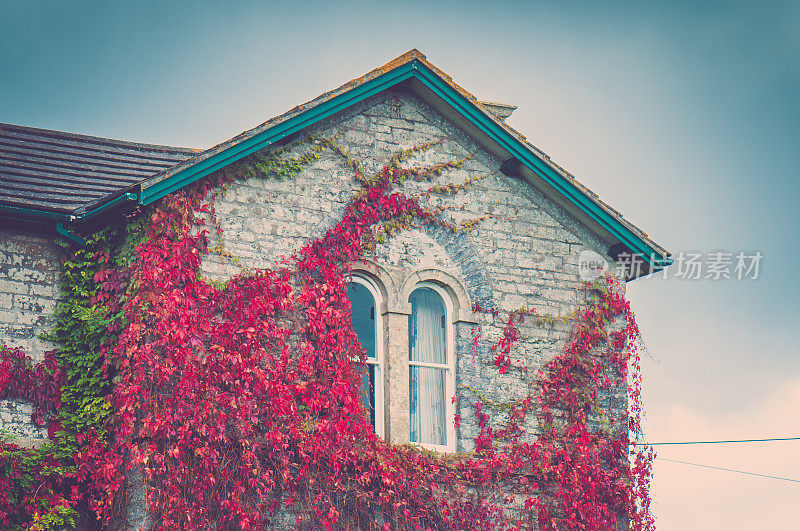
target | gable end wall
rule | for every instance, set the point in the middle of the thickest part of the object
(526, 255)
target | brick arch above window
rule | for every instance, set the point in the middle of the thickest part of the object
(380, 278)
(462, 305)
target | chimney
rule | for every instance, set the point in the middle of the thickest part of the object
(501, 110)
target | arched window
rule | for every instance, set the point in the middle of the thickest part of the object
(431, 371)
(367, 324)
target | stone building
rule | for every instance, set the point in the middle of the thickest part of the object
(536, 221)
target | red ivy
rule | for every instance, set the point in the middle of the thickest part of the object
(237, 401)
(40, 383)
(31, 486)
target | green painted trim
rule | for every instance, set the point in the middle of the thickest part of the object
(34, 213)
(129, 196)
(74, 237)
(273, 134)
(44, 217)
(44, 214)
(460, 103)
(470, 111)
(430, 79)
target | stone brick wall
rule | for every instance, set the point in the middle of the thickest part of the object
(29, 276)
(526, 255)
(16, 423)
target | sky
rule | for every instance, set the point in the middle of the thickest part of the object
(682, 115)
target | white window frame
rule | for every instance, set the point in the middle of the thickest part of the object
(378, 361)
(450, 372)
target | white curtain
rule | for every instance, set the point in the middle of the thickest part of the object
(427, 343)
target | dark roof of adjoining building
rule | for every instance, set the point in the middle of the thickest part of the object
(68, 173)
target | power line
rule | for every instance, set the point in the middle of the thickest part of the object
(718, 442)
(729, 470)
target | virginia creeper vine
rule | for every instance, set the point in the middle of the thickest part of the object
(240, 402)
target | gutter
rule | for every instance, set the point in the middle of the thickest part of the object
(70, 235)
(35, 213)
(128, 196)
(70, 219)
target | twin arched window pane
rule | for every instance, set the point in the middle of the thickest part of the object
(363, 304)
(428, 359)
(428, 365)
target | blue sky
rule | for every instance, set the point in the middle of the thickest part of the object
(682, 115)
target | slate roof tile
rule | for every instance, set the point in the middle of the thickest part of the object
(68, 173)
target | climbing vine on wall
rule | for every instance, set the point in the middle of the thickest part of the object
(69, 388)
(240, 403)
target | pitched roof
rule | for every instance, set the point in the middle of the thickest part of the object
(66, 173)
(151, 172)
(457, 104)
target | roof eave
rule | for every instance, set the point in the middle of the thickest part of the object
(410, 65)
(264, 135)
